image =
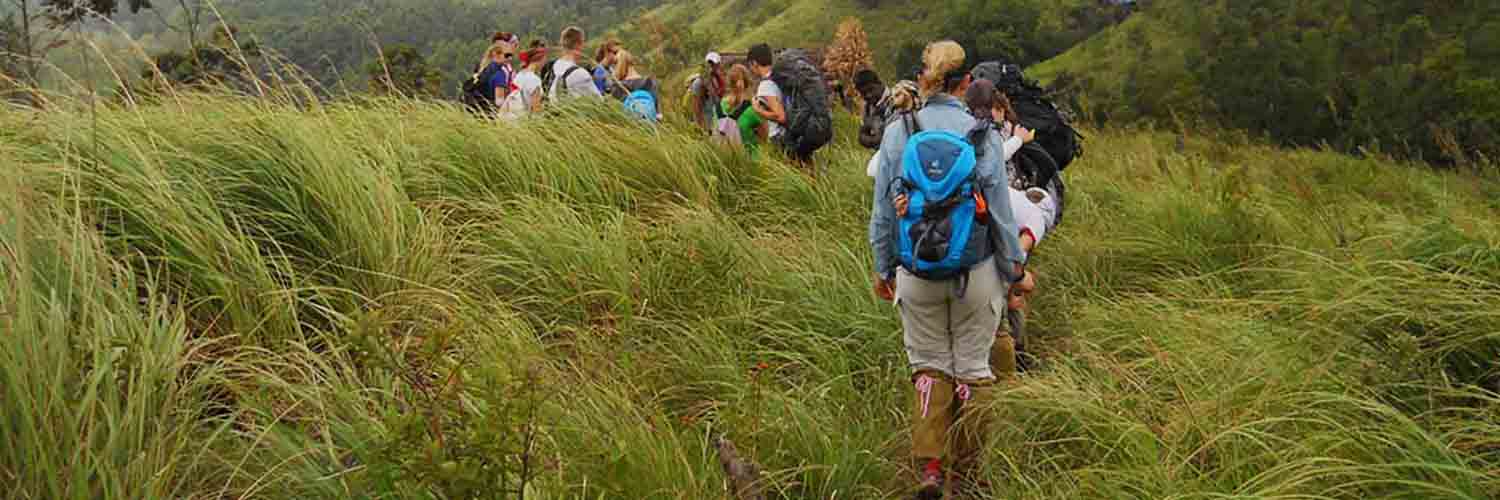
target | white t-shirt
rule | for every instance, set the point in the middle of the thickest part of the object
(1036, 216)
(518, 103)
(769, 90)
(580, 83)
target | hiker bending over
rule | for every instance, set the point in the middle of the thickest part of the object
(572, 80)
(739, 120)
(947, 262)
(639, 93)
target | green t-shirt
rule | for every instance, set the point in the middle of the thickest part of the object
(749, 122)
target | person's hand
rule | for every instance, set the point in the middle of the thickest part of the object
(885, 289)
(1020, 291)
(1028, 241)
(1026, 134)
(902, 202)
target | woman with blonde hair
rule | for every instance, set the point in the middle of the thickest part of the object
(640, 93)
(947, 263)
(496, 72)
(740, 123)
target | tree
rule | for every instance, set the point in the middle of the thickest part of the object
(191, 15)
(222, 62)
(849, 53)
(67, 12)
(403, 71)
(12, 67)
(33, 44)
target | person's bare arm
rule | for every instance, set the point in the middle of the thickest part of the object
(500, 94)
(771, 110)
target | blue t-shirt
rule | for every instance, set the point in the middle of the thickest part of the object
(500, 80)
(601, 78)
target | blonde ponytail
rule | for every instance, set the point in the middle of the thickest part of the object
(939, 59)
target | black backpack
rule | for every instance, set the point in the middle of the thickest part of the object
(547, 75)
(1034, 167)
(1036, 111)
(872, 130)
(809, 121)
(476, 96)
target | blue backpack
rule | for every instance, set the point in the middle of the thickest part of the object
(943, 215)
(641, 104)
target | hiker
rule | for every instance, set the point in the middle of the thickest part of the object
(498, 85)
(707, 89)
(604, 64)
(946, 261)
(1033, 208)
(505, 36)
(1036, 207)
(527, 98)
(880, 104)
(487, 88)
(571, 80)
(640, 94)
(768, 97)
(793, 99)
(740, 123)
(902, 98)
(1035, 217)
(873, 92)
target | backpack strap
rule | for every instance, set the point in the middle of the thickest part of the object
(563, 82)
(978, 134)
(913, 127)
(739, 111)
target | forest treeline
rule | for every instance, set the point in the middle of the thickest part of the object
(1413, 78)
(334, 41)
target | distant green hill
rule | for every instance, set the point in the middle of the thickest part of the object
(1024, 30)
(1420, 79)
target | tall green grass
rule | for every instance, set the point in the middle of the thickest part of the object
(217, 296)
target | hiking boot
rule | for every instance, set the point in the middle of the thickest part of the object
(932, 415)
(931, 486)
(971, 430)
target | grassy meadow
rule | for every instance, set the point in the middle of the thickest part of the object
(219, 297)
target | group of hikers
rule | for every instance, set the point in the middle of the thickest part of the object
(966, 183)
(746, 104)
(512, 82)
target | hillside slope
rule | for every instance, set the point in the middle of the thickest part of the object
(230, 297)
(1022, 30)
(1416, 79)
